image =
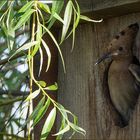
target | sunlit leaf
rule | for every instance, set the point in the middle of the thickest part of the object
(58, 47)
(24, 18)
(48, 54)
(48, 124)
(67, 128)
(26, 7)
(33, 95)
(37, 108)
(58, 17)
(38, 38)
(63, 125)
(25, 47)
(42, 83)
(89, 19)
(56, 8)
(41, 112)
(67, 20)
(52, 87)
(78, 129)
(41, 60)
(11, 38)
(44, 7)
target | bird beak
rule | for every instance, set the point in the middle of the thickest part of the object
(105, 56)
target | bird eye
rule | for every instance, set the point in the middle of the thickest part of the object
(121, 48)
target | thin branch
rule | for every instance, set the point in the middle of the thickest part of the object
(12, 101)
(6, 60)
(14, 93)
(13, 136)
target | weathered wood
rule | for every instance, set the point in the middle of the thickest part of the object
(108, 8)
(80, 89)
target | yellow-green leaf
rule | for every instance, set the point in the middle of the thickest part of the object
(24, 18)
(25, 47)
(33, 95)
(89, 19)
(42, 83)
(67, 20)
(48, 124)
(52, 87)
(48, 54)
(67, 128)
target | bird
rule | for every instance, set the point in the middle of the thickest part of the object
(123, 73)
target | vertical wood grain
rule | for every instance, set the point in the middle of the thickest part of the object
(80, 89)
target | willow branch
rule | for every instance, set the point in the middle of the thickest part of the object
(13, 101)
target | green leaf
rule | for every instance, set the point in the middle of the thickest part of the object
(75, 24)
(48, 53)
(11, 38)
(42, 83)
(58, 17)
(48, 124)
(44, 7)
(41, 112)
(52, 87)
(77, 128)
(54, 40)
(89, 19)
(63, 125)
(41, 60)
(67, 20)
(56, 8)
(67, 128)
(25, 47)
(26, 7)
(2, 3)
(33, 95)
(38, 38)
(24, 18)
(37, 108)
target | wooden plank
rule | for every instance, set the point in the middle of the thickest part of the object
(108, 8)
(80, 89)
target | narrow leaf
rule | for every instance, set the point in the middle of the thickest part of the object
(58, 17)
(48, 124)
(78, 129)
(54, 40)
(37, 108)
(38, 38)
(33, 95)
(89, 19)
(67, 128)
(48, 54)
(2, 3)
(63, 125)
(52, 87)
(25, 47)
(41, 112)
(56, 8)
(67, 20)
(24, 18)
(26, 7)
(41, 60)
(44, 7)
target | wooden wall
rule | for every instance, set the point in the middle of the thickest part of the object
(80, 89)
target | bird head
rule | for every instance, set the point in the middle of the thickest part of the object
(121, 45)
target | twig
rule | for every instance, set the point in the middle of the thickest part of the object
(4, 61)
(12, 101)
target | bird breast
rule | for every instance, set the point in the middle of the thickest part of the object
(121, 85)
